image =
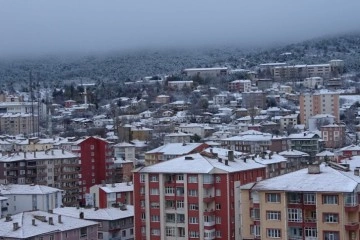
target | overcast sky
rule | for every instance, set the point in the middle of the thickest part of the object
(33, 27)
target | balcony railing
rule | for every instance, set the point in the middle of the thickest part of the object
(352, 226)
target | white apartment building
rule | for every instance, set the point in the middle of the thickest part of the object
(313, 82)
(21, 198)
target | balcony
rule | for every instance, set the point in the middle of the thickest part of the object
(352, 207)
(208, 198)
(208, 212)
(353, 226)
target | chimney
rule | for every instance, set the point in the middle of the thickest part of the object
(211, 151)
(113, 185)
(231, 156)
(357, 171)
(314, 168)
(103, 184)
(227, 162)
(81, 216)
(33, 222)
(15, 226)
(62, 151)
(24, 154)
(304, 134)
(50, 211)
(59, 219)
(52, 151)
(189, 158)
(34, 154)
(51, 221)
(219, 160)
(8, 218)
(244, 159)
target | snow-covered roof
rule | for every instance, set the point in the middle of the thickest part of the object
(176, 148)
(27, 230)
(325, 153)
(293, 153)
(26, 189)
(97, 214)
(38, 155)
(117, 187)
(328, 180)
(197, 163)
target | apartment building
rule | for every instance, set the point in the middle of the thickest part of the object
(56, 168)
(253, 99)
(243, 85)
(96, 160)
(302, 71)
(107, 195)
(318, 202)
(306, 142)
(177, 137)
(206, 72)
(18, 123)
(45, 225)
(333, 135)
(22, 198)
(113, 223)
(250, 141)
(288, 121)
(192, 197)
(319, 103)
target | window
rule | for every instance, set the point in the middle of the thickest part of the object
(100, 235)
(180, 177)
(193, 220)
(218, 234)
(170, 231)
(155, 218)
(218, 220)
(218, 192)
(142, 178)
(131, 231)
(330, 199)
(154, 191)
(331, 236)
(309, 198)
(218, 206)
(155, 205)
(92, 147)
(193, 207)
(310, 232)
(155, 232)
(273, 233)
(294, 215)
(218, 179)
(142, 203)
(255, 230)
(192, 179)
(273, 215)
(208, 178)
(193, 234)
(255, 213)
(154, 178)
(180, 204)
(143, 216)
(123, 233)
(169, 190)
(331, 217)
(83, 232)
(273, 197)
(192, 193)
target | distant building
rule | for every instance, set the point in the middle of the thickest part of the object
(206, 72)
(178, 85)
(333, 135)
(239, 86)
(306, 142)
(264, 84)
(313, 82)
(319, 103)
(177, 137)
(164, 99)
(302, 71)
(254, 99)
(18, 123)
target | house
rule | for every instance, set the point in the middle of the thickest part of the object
(107, 195)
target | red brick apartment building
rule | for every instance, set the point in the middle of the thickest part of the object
(195, 196)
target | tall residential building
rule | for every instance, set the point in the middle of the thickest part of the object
(318, 202)
(57, 168)
(96, 161)
(192, 197)
(319, 103)
(18, 123)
